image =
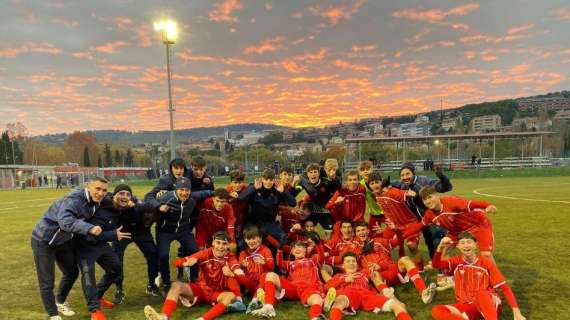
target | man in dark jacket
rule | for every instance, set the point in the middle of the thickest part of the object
(136, 218)
(175, 222)
(176, 169)
(51, 242)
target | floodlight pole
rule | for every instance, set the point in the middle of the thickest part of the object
(170, 107)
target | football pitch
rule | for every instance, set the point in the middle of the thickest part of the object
(531, 233)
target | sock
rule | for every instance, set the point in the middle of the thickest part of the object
(442, 313)
(486, 305)
(215, 311)
(336, 314)
(417, 279)
(403, 316)
(168, 307)
(315, 311)
(269, 293)
(233, 285)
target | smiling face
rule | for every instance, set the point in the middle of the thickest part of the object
(468, 248)
(122, 198)
(352, 182)
(267, 183)
(299, 251)
(220, 247)
(365, 172)
(219, 203)
(375, 186)
(350, 264)
(309, 226)
(406, 176)
(236, 185)
(346, 230)
(198, 171)
(183, 194)
(313, 175)
(432, 201)
(97, 190)
(362, 233)
(253, 243)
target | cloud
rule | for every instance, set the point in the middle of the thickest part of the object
(292, 66)
(351, 66)
(122, 22)
(363, 48)
(111, 47)
(143, 36)
(434, 15)
(335, 14)
(65, 22)
(562, 14)
(520, 28)
(38, 47)
(223, 11)
(267, 45)
(121, 67)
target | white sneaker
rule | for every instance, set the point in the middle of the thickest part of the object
(388, 292)
(55, 318)
(267, 311)
(429, 293)
(445, 282)
(158, 281)
(151, 314)
(64, 309)
(329, 299)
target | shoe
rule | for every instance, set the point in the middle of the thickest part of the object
(119, 297)
(151, 314)
(55, 318)
(444, 282)
(64, 309)
(388, 292)
(158, 281)
(98, 315)
(260, 295)
(320, 317)
(253, 305)
(267, 311)
(329, 299)
(236, 306)
(429, 293)
(152, 291)
(106, 303)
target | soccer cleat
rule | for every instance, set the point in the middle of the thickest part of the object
(260, 295)
(152, 291)
(444, 282)
(320, 317)
(428, 293)
(254, 304)
(329, 299)
(151, 314)
(55, 318)
(158, 281)
(267, 311)
(64, 309)
(98, 315)
(106, 303)
(119, 297)
(236, 306)
(388, 292)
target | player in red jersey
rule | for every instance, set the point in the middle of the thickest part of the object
(376, 256)
(302, 283)
(476, 280)
(347, 203)
(235, 187)
(216, 265)
(215, 214)
(335, 248)
(457, 215)
(352, 291)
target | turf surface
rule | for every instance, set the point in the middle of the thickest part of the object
(531, 242)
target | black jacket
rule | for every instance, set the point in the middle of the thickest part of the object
(179, 217)
(264, 203)
(441, 185)
(321, 192)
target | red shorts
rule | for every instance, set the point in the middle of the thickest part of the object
(300, 292)
(485, 238)
(363, 300)
(393, 276)
(252, 281)
(472, 310)
(205, 294)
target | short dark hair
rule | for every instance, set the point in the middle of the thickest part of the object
(178, 162)
(366, 164)
(221, 235)
(427, 191)
(299, 243)
(349, 254)
(222, 193)
(352, 173)
(466, 235)
(251, 231)
(360, 223)
(312, 166)
(375, 176)
(237, 175)
(98, 179)
(289, 170)
(198, 162)
(314, 236)
(346, 221)
(268, 174)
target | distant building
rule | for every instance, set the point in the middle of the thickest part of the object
(555, 103)
(414, 129)
(392, 130)
(374, 129)
(485, 123)
(562, 115)
(449, 123)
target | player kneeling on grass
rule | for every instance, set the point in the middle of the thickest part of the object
(302, 284)
(476, 280)
(351, 291)
(217, 266)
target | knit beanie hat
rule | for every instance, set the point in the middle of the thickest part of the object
(410, 166)
(122, 187)
(183, 182)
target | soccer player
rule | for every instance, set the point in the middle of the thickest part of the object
(51, 242)
(335, 248)
(476, 280)
(302, 283)
(369, 179)
(176, 169)
(216, 265)
(352, 291)
(235, 187)
(348, 203)
(215, 214)
(376, 256)
(319, 191)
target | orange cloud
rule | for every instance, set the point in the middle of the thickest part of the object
(363, 48)
(122, 23)
(434, 15)
(111, 47)
(39, 47)
(83, 55)
(521, 28)
(351, 66)
(267, 45)
(143, 35)
(223, 11)
(335, 14)
(121, 67)
(562, 14)
(293, 67)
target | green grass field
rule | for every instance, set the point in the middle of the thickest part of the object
(531, 250)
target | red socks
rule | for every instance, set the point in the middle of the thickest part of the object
(441, 312)
(336, 314)
(417, 279)
(215, 311)
(168, 307)
(403, 316)
(269, 293)
(315, 311)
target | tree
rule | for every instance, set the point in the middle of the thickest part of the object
(99, 163)
(86, 160)
(337, 153)
(129, 159)
(75, 144)
(118, 158)
(272, 138)
(107, 156)
(38, 153)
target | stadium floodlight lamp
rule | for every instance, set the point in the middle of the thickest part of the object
(436, 142)
(168, 29)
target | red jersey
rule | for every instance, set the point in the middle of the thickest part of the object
(360, 282)
(211, 221)
(353, 206)
(211, 268)
(289, 216)
(382, 254)
(337, 248)
(301, 272)
(250, 267)
(458, 215)
(239, 207)
(393, 203)
(470, 278)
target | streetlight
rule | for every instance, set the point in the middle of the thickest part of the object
(169, 36)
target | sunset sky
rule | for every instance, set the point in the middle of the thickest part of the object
(84, 65)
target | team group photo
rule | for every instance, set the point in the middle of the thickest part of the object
(317, 160)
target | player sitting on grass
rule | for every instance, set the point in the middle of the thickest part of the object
(351, 291)
(302, 283)
(216, 265)
(476, 280)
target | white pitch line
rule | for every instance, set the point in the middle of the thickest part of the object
(478, 191)
(40, 199)
(13, 208)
